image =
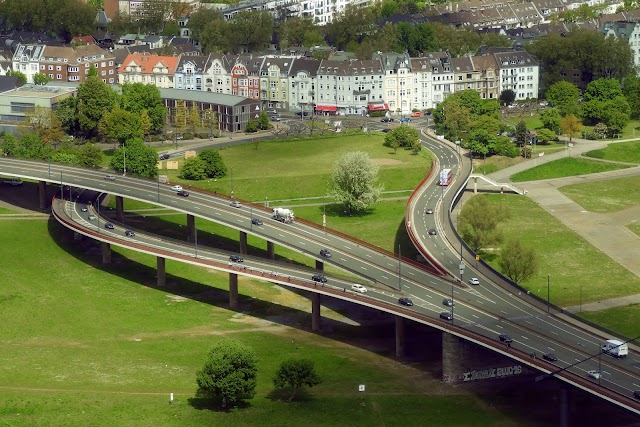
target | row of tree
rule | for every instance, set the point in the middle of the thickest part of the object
(64, 151)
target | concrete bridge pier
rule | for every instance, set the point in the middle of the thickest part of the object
(191, 228)
(271, 253)
(119, 209)
(42, 194)
(319, 265)
(106, 253)
(162, 275)
(400, 336)
(315, 311)
(475, 185)
(243, 242)
(233, 291)
(564, 406)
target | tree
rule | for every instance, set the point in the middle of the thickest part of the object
(215, 167)
(44, 123)
(141, 160)
(229, 373)
(564, 96)
(252, 126)
(140, 98)
(517, 262)
(41, 79)
(354, 181)
(263, 121)
(95, 99)
(550, 118)
(631, 90)
(19, 75)
(522, 133)
(194, 169)
(89, 155)
(193, 119)
(571, 126)
(250, 30)
(507, 97)
(545, 136)
(67, 113)
(296, 373)
(402, 136)
(479, 222)
(180, 116)
(121, 125)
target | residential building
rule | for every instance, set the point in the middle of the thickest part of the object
(190, 72)
(629, 31)
(26, 59)
(397, 83)
(442, 76)
(275, 75)
(245, 76)
(149, 69)
(519, 72)
(217, 74)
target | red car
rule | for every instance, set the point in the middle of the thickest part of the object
(416, 114)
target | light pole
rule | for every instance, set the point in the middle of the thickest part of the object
(251, 213)
(580, 297)
(232, 196)
(195, 236)
(158, 187)
(548, 300)
(124, 154)
(399, 269)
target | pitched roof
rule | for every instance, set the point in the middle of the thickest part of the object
(83, 40)
(148, 62)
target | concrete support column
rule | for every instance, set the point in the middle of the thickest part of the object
(475, 184)
(191, 228)
(106, 253)
(42, 194)
(399, 336)
(271, 253)
(319, 265)
(315, 311)
(564, 407)
(162, 275)
(233, 291)
(452, 357)
(119, 209)
(243, 242)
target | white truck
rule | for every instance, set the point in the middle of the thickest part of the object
(615, 348)
(283, 215)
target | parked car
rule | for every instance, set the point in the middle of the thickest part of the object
(183, 193)
(110, 177)
(108, 226)
(358, 288)
(505, 338)
(319, 278)
(428, 211)
(256, 221)
(302, 113)
(176, 188)
(405, 301)
(596, 375)
(129, 233)
(325, 253)
(272, 111)
(551, 357)
(446, 315)
(386, 119)
(432, 232)
(235, 204)
(405, 120)
(84, 209)
(474, 281)
(275, 118)
(236, 258)
(448, 302)
(164, 156)
(416, 114)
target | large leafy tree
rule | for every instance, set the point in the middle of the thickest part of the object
(214, 165)
(564, 96)
(571, 126)
(18, 74)
(550, 118)
(67, 113)
(211, 30)
(295, 374)
(193, 169)
(140, 98)
(44, 123)
(293, 31)
(517, 261)
(229, 373)
(479, 221)
(631, 90)
(402, 136)
(522, 133)
(354, 181)
(350, 26)
(121, 125)
(604, 102)
(89, 155)
(141, 160)
(250, 30)
(95, 99)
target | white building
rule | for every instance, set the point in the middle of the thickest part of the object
(519, 72)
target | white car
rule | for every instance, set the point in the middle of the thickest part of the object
(236, 204)
(474, 281)
(176, 188)
(594, 374)
(358, 288)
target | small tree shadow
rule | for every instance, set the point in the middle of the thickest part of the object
(340, 210)
(283, 394)
(202, 402)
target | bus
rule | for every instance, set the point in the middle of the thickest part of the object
(445, 177)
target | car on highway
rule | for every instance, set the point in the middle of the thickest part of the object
(416, 114)
(505, 338)
(386, 119)
(129, 233)
(551, 357)
(236, 258)
(432, 232)
(109, 226)
(446, 315)
(84, 209)
(405, 301)
(110, 177)
(358, 288)
(91, 217)
(448, 302)
(474, 281)
(164, 157)
(325, 253)
(256, 221)
(636, 394)
(405, 120)
(428, 211)
(183, 193)
(176, 188)
(596, 375)
(235, 204)
(319, 278)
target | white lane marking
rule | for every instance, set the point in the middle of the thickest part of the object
(196, 207)
(526, 321)
(385, 277)
(475, 316)
(411, 273)
(218, 213)
(343, 260)
(503, 312)
(348, 247)
(302, 243)
(368, 255)
(554, 333)
(364, 268)
(524, 338)
(498, 326)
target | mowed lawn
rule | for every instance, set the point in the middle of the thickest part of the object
(84, 344)
(612, 195)
(628, 151)
(568, 166)
(290, 169)
(621, 319)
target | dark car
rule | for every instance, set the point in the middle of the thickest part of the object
(319, 278)
(405, 301)
(505, 338)
(256, 221)
(448, 302)
(446, 315)
(636, 394)
(164, 157)
(302, 113)
(428, 211)
(551, 357)
(385, 130)
(325, 253)
(386, 120)
(109, 226)
(183, 193)
(129, 233)
(236, 258)
(432, 231)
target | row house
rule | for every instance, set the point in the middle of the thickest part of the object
(397, 82)
(245, 76)
(148, 69)
(519, 72)
(190, 71)
(64, 63)
(217, 74)
(274, 78)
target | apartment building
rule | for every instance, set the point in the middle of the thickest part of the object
(149, 69)
(519, 72)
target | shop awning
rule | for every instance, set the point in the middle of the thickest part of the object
(378, 107)
(326, 108)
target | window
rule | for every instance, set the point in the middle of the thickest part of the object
(110, 63)
(103, 73)
(73, 69)
(21, 107)
(58, 68)
(103, 64)
(50, 67)
(51, 76)
(110, 71)
(59, 76)
(111, 80)
(74, 78)
(42, 67)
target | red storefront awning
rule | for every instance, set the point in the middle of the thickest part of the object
(326, 108)
(378, 107)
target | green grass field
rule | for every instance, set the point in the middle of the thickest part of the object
(620, 319)
(612, 195)
(568, 166)
(620, 152)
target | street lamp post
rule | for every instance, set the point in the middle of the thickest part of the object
(548, 300)
(195, 236)
(232, 194)
(124, 154)
(251, 213)
(399, 269)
